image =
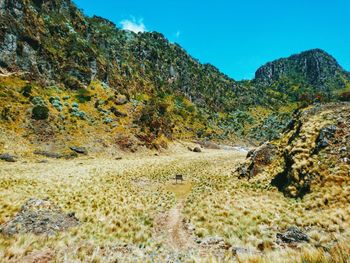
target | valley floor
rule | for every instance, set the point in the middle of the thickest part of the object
(132, 210)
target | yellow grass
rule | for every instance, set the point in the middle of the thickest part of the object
(118, 202)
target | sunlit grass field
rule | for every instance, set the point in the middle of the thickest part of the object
(118, 201)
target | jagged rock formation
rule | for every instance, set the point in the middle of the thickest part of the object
(257, 159)
(314, 151)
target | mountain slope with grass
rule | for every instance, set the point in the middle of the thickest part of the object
(66, 76)
(312, 155)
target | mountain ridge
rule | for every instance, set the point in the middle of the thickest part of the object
(64, 51)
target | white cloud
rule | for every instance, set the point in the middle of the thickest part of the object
(178, 34)
(133, 25)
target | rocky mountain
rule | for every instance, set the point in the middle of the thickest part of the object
(56, 43)
(64, 72)
(307, 74)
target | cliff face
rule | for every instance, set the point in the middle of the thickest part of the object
(27, 30)
(314, 68)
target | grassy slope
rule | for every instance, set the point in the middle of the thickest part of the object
(99, 128)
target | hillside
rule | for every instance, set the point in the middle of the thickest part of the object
(312, 155)
(66, 75)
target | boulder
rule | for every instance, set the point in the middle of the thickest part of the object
(197, 150)
(118, 113)
(323, 138)
(292, 235)
(120, 99)
(210, 145)
(8, 157)
(80, 150)
(39, 217)
(257, 159)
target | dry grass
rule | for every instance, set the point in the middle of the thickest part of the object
(118, 201)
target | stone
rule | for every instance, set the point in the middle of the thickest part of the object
(210, 145)
(257, 159)
(325, 135)
(107, 120)
(8, 157)
(117, 113)
(343, 149)
(120, 99)
(197, 149)
(209, 241)
(292, 235)
(39, 217)
(239, 251)
(80, 150)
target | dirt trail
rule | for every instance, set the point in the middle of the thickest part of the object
(179, 237)
(171, 226)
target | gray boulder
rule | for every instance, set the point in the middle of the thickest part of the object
(8, 157)
(292, 235)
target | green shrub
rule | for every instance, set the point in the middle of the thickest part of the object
(40, 112)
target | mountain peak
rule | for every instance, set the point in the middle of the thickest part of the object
(313, 67)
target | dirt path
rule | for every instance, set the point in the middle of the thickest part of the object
(170, 227)
(177, 236)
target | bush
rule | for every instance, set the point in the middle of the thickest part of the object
(83, 95)
(27, 90)
(345, 96)
(38, 101)
(40, 112)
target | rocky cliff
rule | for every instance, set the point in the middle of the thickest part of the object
(311, 72)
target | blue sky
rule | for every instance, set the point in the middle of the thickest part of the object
(237, 36)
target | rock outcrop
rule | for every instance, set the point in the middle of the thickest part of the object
(315, 149)
(314, 68)
(257, 159)
(39, 217)
(292, 235)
